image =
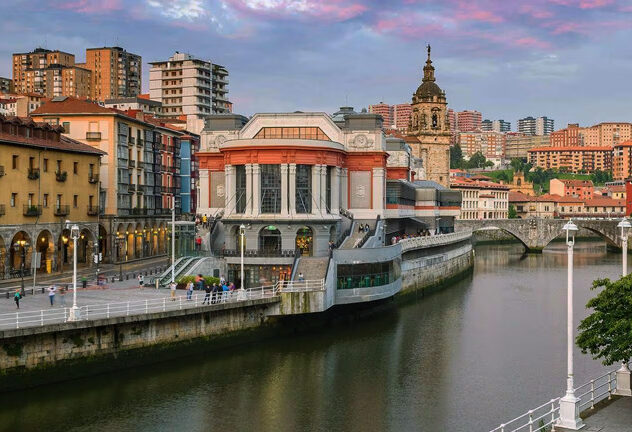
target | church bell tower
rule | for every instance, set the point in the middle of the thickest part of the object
(430, 126)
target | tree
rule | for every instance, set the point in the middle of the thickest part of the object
(517, 164)
(477, 160)
(607, 332)
(456, 157)
(512, 213)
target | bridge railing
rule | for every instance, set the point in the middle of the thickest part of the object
(543, 417)
(434, 240)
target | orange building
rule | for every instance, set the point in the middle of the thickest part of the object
(568, 137)
(583, 189)
(401, 114)
(622, 161)
(573, 159)
(386, 111)
(116, 73)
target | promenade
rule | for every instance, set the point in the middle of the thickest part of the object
(615, 416)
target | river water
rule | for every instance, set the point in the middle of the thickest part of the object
(464, 359)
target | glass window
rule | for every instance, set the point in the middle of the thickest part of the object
(240, 189)
(328, 190)
(270, 189)
(368, 275)
(312, 133)
(303, 189)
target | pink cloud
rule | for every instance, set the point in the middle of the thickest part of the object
(325, 10)
(585, 4)
(535, 11)
(89, 6)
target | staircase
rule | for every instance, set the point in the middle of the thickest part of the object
(313, 268)
(356, 236)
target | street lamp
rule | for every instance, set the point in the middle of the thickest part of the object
(74, 234)
(569, 404)
(23, 245)
(242, 237)
(624, 225)
(120, 241)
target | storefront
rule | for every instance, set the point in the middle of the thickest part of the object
(256, 275)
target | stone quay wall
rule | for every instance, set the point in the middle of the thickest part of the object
(74, 349)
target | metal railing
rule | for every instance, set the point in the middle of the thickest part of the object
(253, 253)
(300, 286)
(434, 240)
(545, 416)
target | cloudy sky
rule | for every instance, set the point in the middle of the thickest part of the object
(568, 59)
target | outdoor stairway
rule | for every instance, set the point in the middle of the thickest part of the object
(353, 238)
(313, 268)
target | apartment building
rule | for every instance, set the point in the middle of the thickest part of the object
(140, 176)
(468, 121)
(45, 178)
(481, 199)
(187, 86)
(116, 73)
(496, 125)
(583, 189)
(606, 134)
(517, 145)
(536, 126)
(491, 144)
(401, 116)
(6, 85)
(529, 206)
(386, 111)
(567, 137)
(622, 161)
(572, 159)
(136, 103)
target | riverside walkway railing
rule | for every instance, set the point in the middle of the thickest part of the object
(545, 416)
(138, 307)
(434, 240)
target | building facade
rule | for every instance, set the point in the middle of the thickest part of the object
(529, 206)
(572, 159)
(135, 103)
(582, 189)
(481, 199)
(517, 145)
(386, 111)
(46, 179)
(139, 176)
(491, 144)
(6, 85)
(429, 127)
(468, 121)
(401, 115)
(622, 161)
(536, 126)
(115, 72)
(221, 104)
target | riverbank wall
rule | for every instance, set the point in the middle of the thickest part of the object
(38, 355)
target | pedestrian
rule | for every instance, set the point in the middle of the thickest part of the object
(360, 228)
(207, 296)
(214, 291)
(222, 280)
(189, 290)
(204, 221)
(16, 297)
(173, 291)
(198, 243)
(200, 282)
(51, 294)
(141, 281)
(301, 278)
(225, 292)
(62, 295)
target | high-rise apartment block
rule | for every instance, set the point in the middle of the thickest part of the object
(491, 144)
(50, 73)
(401, 116)
(6, 85)
(189, 86)
(607, 134)
(518, 145)
(116, 73)
(468, 121)
(386, 111)
(536, 126)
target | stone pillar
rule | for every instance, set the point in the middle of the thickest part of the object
(335, 190)
(623, 381)
(284, 190)
(316, 189)
(256, 189)
(344, 188)
(230, 189)
(249, 194)
(204, 197)
(378, 190)
(292, 186)
(323, 189)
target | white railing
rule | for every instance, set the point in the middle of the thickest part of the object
(300, 286)
(545, 416)
(434, 240)
(133, 307)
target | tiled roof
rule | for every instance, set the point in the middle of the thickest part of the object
(463, 182)
(521, 197)
(571, 148)
(561, 199)
(604, 202)
(576, 182)
(71, 106)
(624, 144)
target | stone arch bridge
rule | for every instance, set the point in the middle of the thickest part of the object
(536, 234)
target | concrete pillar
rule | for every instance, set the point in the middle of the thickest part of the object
(230, 189)
(204, 199)
(256, 189)
(378, 189)
(284, 190)
(292, 192)
(623, 381)
(249, 194)
(344, 188)
(323, 189)
(316, 189)
(335, 190)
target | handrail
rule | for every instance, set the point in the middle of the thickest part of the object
(300, 286)
(434, 240)
(297, 256)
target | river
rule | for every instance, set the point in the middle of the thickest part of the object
(464, 359)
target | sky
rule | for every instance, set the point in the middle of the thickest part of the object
(570, 60)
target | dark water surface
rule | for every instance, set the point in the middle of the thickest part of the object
(464, 359)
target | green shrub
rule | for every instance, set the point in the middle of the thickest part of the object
(209, 280)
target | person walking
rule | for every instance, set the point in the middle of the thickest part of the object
(51, 294)
(62, 296)
(189, 290)
(16, 297)
(225, 293)
(141, 281)
(214, 291)
(301, 278)
(204, 221)
(222, 280)
(207, 296)
(173, 291)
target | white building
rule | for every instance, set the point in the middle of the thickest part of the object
(481, 199)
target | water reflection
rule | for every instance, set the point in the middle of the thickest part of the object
(466, 358)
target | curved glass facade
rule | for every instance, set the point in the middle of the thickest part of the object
(350, 276)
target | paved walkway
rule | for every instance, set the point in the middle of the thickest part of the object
(615, 417)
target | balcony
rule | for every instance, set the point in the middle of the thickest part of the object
(137, 211)
(131, 163)
(93, 210)
(163, 168)
(132, 140)
(32, 210)
(61, 176)
(93, 178)
(1, 170)
(140, 189)
(93, 136)
(62, 210)
(34, 173)
(2, 210)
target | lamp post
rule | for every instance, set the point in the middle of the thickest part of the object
(624, 225)
(120, 241)
(173, 241)
(21, 246)
(74, 311)
(569, 404)
(242, 237)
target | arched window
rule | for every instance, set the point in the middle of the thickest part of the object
(270, 240)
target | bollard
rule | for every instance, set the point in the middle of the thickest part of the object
(112, 279)
(7, 294)
(126, 277)
(42, 290)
